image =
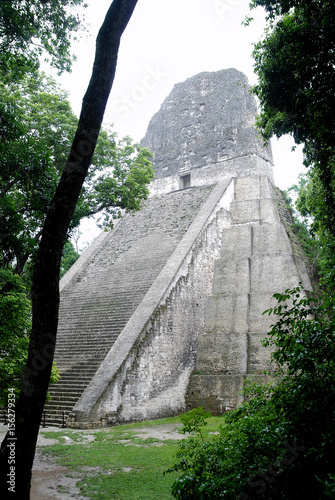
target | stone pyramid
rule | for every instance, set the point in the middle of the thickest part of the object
(164, 312)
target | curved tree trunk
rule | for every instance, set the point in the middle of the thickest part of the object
(18, 449)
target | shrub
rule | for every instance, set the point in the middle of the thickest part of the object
(281, 443)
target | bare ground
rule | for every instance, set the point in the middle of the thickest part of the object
(51, 481)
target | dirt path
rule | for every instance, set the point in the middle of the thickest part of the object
(48, 477)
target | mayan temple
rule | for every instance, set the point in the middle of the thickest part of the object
(164, 312)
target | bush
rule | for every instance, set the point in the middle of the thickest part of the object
(281, 443)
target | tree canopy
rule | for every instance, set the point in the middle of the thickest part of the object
(31, 28)
(295, 65)
(309, 210)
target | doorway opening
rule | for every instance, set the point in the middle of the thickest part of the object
(185, 181)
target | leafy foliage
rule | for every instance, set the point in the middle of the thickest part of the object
(295, 65)
(309, 218)
(280, 444)
(193, 421)
(31, 28)
(69, 257)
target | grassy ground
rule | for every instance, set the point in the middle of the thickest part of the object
(118, 464)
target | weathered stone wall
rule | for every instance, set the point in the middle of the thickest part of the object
(205, 128)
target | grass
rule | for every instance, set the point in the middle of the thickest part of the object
(118, 464)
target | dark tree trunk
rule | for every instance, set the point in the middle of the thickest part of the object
(45, 289)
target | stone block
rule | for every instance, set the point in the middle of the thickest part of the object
(268, 212)
(274, 273)
(302, 272)
(259, 302)
(266, 186)
(245, 211)
(236, 241)
(269, 239)
(231, 275)
(227, 313)
(247, 188)
(222, 353)
(253, 187)
(216, 393)
(254, 211)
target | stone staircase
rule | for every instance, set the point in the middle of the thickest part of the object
(100, 299)
(66, 394)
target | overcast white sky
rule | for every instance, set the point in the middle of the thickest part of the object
(165, 42)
